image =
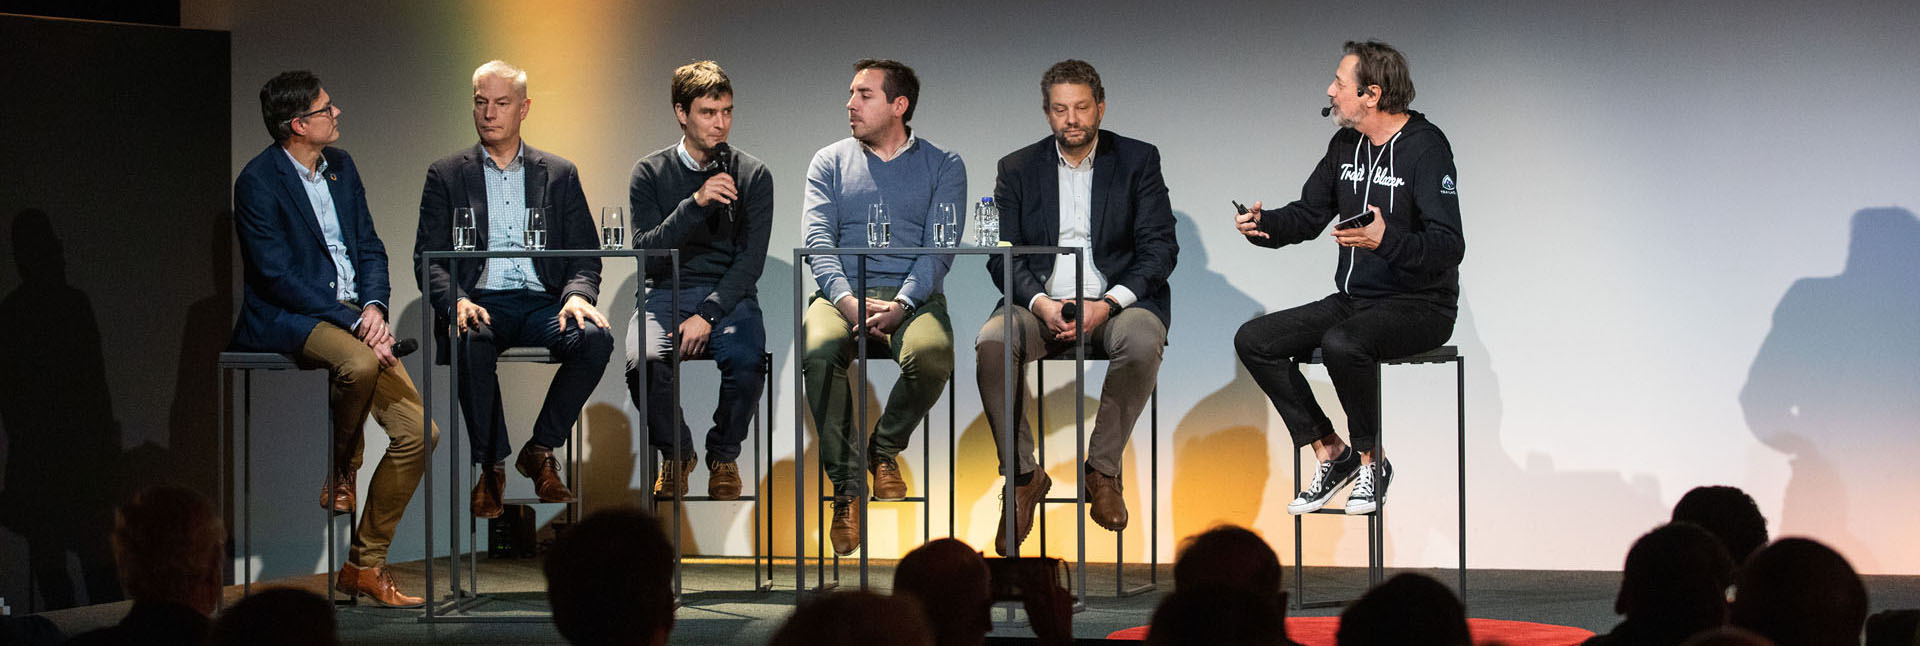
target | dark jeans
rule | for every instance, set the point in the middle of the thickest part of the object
(1354, 336)
(735, 345)
(523, 318)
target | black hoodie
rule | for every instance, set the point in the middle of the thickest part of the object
(1419, 255)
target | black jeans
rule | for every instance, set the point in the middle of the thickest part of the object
(735, 345)
(1354, 336)
(526, 318)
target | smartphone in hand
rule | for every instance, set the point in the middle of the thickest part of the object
(1355, 222)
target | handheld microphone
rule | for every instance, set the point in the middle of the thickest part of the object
(723, 155)
(1069, 310)
(405, 347)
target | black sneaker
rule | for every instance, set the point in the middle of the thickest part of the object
(1331, 476)
(1370, 489)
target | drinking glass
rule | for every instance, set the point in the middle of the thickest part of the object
(613, 227)
(946, 218)
(536, 229)
(463, 229)
(879, 226)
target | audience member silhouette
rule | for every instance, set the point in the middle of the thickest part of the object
(1797, 592)
(949, 580)
(280, 616)
(1408, 610)
(169, 547)
(855, 618)
(1674, 586)
(1237, 559)
(1728, 636)
(1215, 615)
(610, 580)
(1730, 514)
(1894, 628)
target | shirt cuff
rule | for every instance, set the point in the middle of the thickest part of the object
(1035, 299)
(835, 301)
(904, 299)
(1122, 295)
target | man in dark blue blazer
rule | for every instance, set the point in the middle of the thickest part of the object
(316, 288)
(1089, 188)
(502, 303)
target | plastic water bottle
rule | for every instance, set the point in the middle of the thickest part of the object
(988, 215)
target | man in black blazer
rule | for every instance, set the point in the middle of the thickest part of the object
(1089, 188)
(508, 302)
(316, 287)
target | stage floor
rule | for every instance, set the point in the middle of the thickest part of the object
(719, 606)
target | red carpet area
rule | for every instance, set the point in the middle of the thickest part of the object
(1319, 631)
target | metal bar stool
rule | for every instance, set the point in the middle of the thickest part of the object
(762, 577)
(241, 482)
(1120, 588)
(1377, 521)
(574, 464)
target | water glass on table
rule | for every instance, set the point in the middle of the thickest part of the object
(613, 227)
(879, 226)
(463, 229)
(536, 229)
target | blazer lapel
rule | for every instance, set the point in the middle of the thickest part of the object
(1046, 173)
(290, 180)
(341, 208)
(536, 167)
(476, 189)
(1103, 165)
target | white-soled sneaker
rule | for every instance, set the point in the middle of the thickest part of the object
(1329, 478)
(1370, 489)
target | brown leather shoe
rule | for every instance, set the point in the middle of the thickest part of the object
(537, 462)
(723, 481)
(846, 524)
(1108, 508)
(1027, 498)
(337, 493)
(887, 484)
(487, 492)
(673, 478)
(375, 583)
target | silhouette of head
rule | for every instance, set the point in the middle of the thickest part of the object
(169, 547)
(855, 618)
(1675, 583)
(1408, 610)
(1727, 636)
(949, 581)
(1798, 591)
(37, 252)
(1229, 556)
(1730, 514)
(285, 616)
(1215, 616)
(609, 579)
(1884, 241)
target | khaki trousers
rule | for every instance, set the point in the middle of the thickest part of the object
(923, 346)
(1133, 342)
(360, 386)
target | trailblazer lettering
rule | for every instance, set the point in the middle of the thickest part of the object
(1348, 173)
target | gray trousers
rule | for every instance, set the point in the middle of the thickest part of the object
(1132, 341)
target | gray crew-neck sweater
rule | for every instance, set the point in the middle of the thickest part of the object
(724, 253)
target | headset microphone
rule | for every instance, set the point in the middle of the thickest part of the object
(1326, 111)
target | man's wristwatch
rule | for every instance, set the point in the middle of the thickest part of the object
(906, 306)
(1113, 306)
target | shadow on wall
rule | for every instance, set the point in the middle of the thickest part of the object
(1833, 387)
(64, 467)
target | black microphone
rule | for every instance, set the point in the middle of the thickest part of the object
(1069, 310)
(405, 347)
(723, 156)
(1326, 111)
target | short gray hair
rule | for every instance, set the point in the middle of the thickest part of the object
(505, 70)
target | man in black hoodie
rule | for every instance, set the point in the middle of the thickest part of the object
(1398, 278)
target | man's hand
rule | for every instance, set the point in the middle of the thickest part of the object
(1092, 314)
(384, 352)
(1049, 312)
(849, 306)
(372, 329)
(693, 336)
(1249, 223)
(883, 317)
(1367, 237)
(582, 313)
(718, 188)
(468, 314)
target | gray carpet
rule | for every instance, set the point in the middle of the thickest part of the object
(720, 607)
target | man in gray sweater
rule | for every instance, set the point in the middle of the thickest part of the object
(714, 204)
(904, 314)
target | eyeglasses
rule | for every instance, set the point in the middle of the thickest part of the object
(327, 110)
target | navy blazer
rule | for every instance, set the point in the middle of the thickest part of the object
(1132, 221)
(552, 182)
(289, 285)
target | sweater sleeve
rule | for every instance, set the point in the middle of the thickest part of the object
(819, 225)
(750, 256)
(1438, 245)
(949, 187)
(654, 229)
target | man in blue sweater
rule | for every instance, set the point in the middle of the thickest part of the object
(901, 309)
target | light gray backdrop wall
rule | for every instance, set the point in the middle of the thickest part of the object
(1690, 249)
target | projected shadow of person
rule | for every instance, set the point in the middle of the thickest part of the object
(1833, 386)
(64, 464)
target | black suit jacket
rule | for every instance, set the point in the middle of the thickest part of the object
(290, 276)
(1133, 241)
(552, 182)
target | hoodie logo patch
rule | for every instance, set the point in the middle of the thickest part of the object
(1446, 185)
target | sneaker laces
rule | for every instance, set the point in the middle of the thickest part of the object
(1320, 477)
(1363, 485)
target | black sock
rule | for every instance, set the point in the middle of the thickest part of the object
(1023, 479)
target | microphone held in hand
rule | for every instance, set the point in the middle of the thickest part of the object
(1069, 310)
(723, 159)
(405, 347)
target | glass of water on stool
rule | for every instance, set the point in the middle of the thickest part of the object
(536, 229)
(463, 229)
(946, 217)
(613, 227)
(879, 226)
